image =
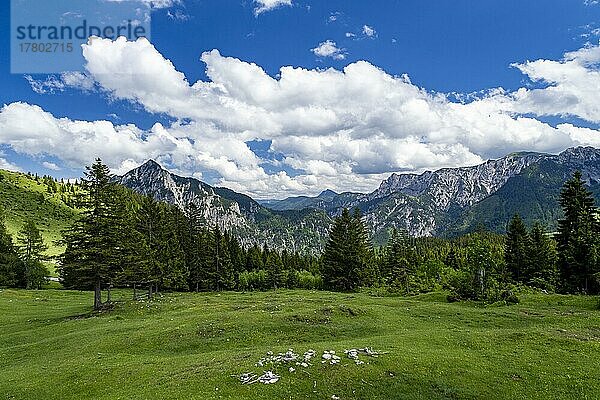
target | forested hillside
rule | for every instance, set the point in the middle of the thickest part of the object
(50, 204)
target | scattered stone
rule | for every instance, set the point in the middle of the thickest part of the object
(329, 357)
(354, 354)
(290, 357)
(281, 358)
(248, 378)
(268, 378)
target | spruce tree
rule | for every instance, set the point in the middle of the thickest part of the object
(227, 273)
(32, 248)
(147, 224)
(275, 274)
(578, 238)
(254, 259)
(542, 258)
(451, 260)
(347, 254)
(516, 250)
(12, 269)
(93, 252)
(192, 247)
(170, 255)
(220, 269)
(400, 261)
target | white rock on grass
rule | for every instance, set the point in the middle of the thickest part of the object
(248, 378)
(330, 357)
(268, 378)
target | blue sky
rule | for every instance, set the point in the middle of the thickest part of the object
(443, 47)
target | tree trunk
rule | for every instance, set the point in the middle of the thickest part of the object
(150, 292)
(98, 295)
(197, 287)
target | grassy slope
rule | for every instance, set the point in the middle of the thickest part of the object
(22, 197)
(188, 345)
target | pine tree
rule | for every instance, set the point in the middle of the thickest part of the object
(147, 224)
(541, 271)
(578, 238)
(347, 256)
(12, 269)
(275, 274)
(516, 250)
(93, 252)
(170, 259)
(400, 261)
(32, 248)
(192, 247)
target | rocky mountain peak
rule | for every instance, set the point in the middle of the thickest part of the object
(151, 165)
(328, 193)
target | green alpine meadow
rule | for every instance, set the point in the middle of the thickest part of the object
(188, 345)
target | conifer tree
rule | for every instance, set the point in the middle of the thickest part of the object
(32, 248)
(516, 251)
(12, 269)
(347, 254)
(170, 259)
(192, 247)
(542, 258)
(148, 222)
(93, 252)
(274, 267)
(452, 260)
(254, 259)
(400, 261)
(227, 275)
(578, 238)
(220, 267)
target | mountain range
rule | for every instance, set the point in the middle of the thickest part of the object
(302, 230)
(445, 202)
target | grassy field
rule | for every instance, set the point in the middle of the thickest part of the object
(185, 346)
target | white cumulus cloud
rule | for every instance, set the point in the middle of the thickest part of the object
(341, 129)
(329, 48)
(50, 165)
(7, 165)
(268, 5)
(368, 31)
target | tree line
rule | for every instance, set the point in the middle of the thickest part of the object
(123, 238)
(477, 266)
(126, 239)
